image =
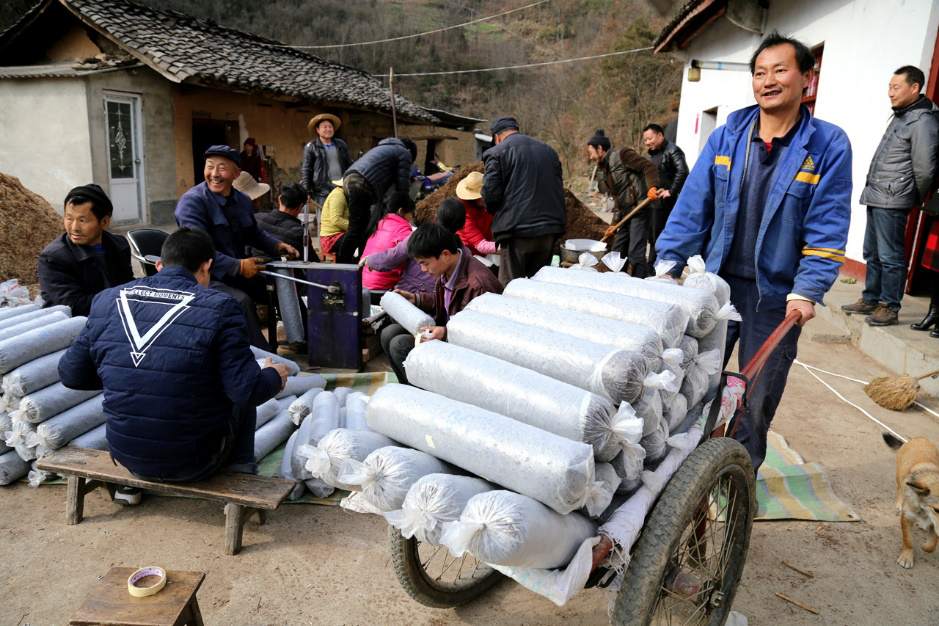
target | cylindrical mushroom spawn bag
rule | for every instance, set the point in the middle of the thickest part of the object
(700, 304)
(50, 401)
(38, 342)
(302, 406)
(431, 502)
(263, 355)
(609, 372)
(326, 459)
(8, 313)
(33, 376)
(54, 433)
(36, 320)
(272, 434)
(299, 385)
(514, 391)
(505, 528)
(411, 318)
(603, 330)
(383, 479)
(315, 426)
(553, 470)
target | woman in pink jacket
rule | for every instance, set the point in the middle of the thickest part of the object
(388, 227)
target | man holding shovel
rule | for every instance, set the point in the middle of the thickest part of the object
(630, 178)
(768, 205)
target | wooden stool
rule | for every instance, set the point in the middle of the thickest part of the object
(110, 604)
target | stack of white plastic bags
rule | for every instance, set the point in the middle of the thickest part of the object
(543, 403)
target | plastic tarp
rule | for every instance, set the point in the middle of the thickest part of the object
(411, 318)
(612, 373)
(506, 528)
(385, 476)
(522, 394)
(35, 343)
(431, 502)
(667, 320)
(701, 306)
(553, 470)
(33, 376)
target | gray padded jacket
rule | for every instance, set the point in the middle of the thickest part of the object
(905, 162)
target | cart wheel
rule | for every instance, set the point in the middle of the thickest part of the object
(433, 577)
(690, 555)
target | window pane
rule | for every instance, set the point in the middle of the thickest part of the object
(120, 140)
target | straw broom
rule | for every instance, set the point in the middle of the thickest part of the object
(896, 393)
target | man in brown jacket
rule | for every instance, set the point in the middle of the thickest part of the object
(460, 278)
(627, 176)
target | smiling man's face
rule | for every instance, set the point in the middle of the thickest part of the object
(220, 174)
(777, 82)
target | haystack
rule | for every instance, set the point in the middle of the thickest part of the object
(582, 223)
(27, 223)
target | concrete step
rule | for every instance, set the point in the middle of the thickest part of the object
(898, 348)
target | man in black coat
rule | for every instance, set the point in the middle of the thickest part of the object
(283, 222)
(86, 259)
(523, 188)
(673, 170)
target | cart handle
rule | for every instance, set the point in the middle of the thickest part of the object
(755, 366)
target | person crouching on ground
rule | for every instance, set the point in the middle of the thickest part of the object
(180, 381)
(86, 259)
(460, 278)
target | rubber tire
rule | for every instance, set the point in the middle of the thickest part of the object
(672, 514)
(407, 566)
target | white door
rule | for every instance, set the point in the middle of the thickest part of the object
(125, 174)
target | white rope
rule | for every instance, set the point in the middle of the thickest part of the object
(864, 382)
(415, 35)
(809, 368)
(515, 67)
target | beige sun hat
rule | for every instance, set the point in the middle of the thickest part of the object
(316, 119)
(471, 187)
(246, 184)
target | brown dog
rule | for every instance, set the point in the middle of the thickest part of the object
(917, 491)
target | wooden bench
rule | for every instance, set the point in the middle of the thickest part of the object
(109, 604)
(243, 494)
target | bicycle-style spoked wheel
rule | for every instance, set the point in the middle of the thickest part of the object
(690, 556)
(434, 577)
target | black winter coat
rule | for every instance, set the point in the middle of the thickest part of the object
(286, 228)
(174, 361)
(314, 171)
(72, 275)
(524, 188)
(385, 166)
(673, 169)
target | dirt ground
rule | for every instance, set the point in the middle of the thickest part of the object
(322, 565)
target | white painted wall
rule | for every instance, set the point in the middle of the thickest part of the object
(865, 41)
(46, 141)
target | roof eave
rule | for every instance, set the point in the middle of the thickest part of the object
(690, 26)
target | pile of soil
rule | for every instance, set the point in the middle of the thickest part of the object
(27, 224)
(427, 208)
(582, 223)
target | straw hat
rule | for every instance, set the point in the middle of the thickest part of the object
(246, 184)
(322, 117)
(471, 187)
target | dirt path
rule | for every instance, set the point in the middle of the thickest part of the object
(326, 566)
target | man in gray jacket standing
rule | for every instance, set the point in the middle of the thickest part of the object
(900, 175)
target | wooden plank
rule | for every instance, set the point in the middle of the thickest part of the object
(74, 500)
(235, 517)
(109, 603)
(256, 492)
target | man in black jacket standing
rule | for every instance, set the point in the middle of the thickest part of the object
(523, 188)
(325, 158)
(673, 170)
(86, 259)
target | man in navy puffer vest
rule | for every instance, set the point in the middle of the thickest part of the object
(180, 382)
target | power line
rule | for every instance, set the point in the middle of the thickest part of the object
(427, 32)
(523, 66)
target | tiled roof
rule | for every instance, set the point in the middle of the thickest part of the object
(187, 49)
(683, 13)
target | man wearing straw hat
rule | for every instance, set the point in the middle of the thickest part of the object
(325, 158)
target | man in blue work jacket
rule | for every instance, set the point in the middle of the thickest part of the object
(768, 205)
(215, 207)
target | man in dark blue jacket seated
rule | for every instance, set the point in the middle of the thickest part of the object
(86, 258)
(180, 381)
(226, 214)
(384, 168)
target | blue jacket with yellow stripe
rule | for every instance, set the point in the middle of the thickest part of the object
(801, 239)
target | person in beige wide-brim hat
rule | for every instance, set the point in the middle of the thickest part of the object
(476, 234)
(246, 184)
(325, 158)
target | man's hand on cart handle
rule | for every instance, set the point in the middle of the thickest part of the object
(805, 309)
(601, 551)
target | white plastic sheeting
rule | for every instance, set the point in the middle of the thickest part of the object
(522, 394)
(52, 400)
(615, 374)
(506, 528)
(385, 476)
(326, 459)
(35, 343)
(602, 330)
(706, 365)
(431, 502)
(554, 470)
(668, 320)
(411, 318)
(557, 584)
(33, 376)
(699, 277)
